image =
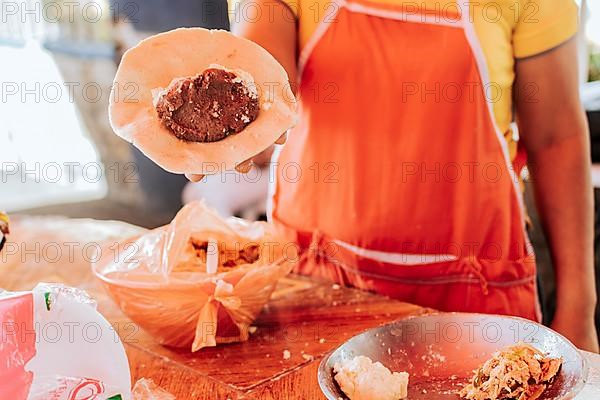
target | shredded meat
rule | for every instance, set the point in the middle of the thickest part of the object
(519, 372)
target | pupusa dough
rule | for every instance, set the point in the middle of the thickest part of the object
(155, 62)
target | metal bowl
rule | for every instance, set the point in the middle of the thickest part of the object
(441, 352)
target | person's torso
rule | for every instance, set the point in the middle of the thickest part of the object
(397, 137)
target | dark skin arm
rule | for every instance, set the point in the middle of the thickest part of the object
(554, 131)
(275, 31)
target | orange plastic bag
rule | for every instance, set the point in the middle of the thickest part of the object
(160, 279)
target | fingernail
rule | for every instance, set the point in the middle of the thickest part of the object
(194, 177)
(281, 139)
(244, 167)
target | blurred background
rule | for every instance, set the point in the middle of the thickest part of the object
(58, 154)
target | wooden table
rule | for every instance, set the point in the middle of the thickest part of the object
(306, 319)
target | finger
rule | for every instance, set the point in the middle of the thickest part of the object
(244, 167)
(281, 139)
(194, 177)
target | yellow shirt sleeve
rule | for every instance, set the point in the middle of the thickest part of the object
(543, 25)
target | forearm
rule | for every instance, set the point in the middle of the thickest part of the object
(275, 30)
(554, 132)
(564, 199)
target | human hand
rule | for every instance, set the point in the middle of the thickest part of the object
(244, 167)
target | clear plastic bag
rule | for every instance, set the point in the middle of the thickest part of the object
(146, 389)
(162, 279)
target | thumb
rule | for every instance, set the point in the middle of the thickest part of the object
(194, 177)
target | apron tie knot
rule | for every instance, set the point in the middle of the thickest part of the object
(475, 267)
(316, 244)
(321, 259)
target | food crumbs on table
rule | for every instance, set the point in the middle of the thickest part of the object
(252, 329)
(286, 354)
(335, 286)
(307, 357)
(322, 340)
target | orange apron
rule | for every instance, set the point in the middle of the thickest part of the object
(396, 179)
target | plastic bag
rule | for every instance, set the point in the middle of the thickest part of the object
(145, 389)
(161, 280)
(56, 345)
